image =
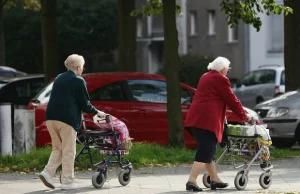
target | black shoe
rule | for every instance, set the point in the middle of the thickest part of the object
(214, 185)
(192, 187)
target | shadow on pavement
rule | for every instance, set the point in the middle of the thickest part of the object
(204, 190)
(58, 190)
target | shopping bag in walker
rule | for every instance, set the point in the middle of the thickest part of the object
(117, 125)
(240, 130)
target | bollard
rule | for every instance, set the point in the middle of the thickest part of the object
(5, 129)
(24, 131)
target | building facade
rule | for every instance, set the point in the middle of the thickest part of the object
(203, 30)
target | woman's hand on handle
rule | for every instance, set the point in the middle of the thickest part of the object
(101, 114)
(249, 118)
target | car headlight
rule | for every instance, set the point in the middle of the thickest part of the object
(277, 112)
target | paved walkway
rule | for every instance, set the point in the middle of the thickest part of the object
(160, 180)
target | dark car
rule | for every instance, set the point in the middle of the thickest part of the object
(10, 72)
(20, 90)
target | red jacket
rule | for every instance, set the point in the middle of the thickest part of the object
(208, 107)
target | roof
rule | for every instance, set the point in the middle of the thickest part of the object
(270, 66)
(107, 78)
(122, 75)
(23, 77)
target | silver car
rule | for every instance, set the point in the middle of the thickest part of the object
(260, 85)
(282, 116)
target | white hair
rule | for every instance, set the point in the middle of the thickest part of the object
(219, 64)
(73, 61)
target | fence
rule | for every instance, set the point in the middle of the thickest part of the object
(17, 130)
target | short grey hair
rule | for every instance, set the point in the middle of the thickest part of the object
(73, 61)
(219, 64)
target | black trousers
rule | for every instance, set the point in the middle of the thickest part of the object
(206, 144)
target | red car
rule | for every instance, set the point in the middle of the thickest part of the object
(138, 99)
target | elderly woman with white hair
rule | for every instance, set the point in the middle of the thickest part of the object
(205, 120)
(68, 99)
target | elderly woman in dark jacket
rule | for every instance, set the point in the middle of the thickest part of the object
(205, 119)
(69, 98)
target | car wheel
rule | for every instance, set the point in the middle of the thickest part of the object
(283, 143)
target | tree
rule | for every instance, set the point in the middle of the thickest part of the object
(245, 10)
(171, 56)
(292, 46)
(169, 8)
(49, 39)
(126, 36)
(3, 4)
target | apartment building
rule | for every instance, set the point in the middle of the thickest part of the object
(203, 30)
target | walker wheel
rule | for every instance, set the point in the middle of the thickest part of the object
(265, 180)
(206, 180)
(240, 181)
(124, 177)
(98, 180)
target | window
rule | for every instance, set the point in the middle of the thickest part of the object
(35, 86)
(44, 94)
(139, 27)
(233, 33)
(111, 92)
(154, 91)
(276, 35)
(211, 22)
(21, 90)
(193, 23)
(148, 90)
(259, 77)
(282, 78)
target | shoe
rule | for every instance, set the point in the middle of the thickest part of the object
(192, 187)
(46, 179)
(214, 185)
(70, 186)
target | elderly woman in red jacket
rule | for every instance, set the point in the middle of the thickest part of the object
(205, 119)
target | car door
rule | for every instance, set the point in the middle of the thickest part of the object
(111, 99)
(148, 110)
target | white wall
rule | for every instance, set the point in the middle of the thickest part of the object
(259, 43)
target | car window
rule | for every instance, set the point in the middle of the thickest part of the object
(267, 76)
(2, 84)
(6, 73)
(259, 77)
(148, 90)
(154, 91)
(35, 86)
(112, 92)
(23, 89)
(44, 93)
(282, 78)
(248, 79)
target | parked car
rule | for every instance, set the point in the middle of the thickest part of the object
(282, 116)
(10, 72)
(265, 83)
(138, 99)
(20, 90)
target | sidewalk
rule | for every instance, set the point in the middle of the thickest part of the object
(160, 180)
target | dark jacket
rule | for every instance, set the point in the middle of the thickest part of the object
(68, 99)
(208, 107)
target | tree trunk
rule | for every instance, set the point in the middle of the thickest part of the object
(127, 36)
(2, 45)
(292, 46)
(171, 65)
(49, 39)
